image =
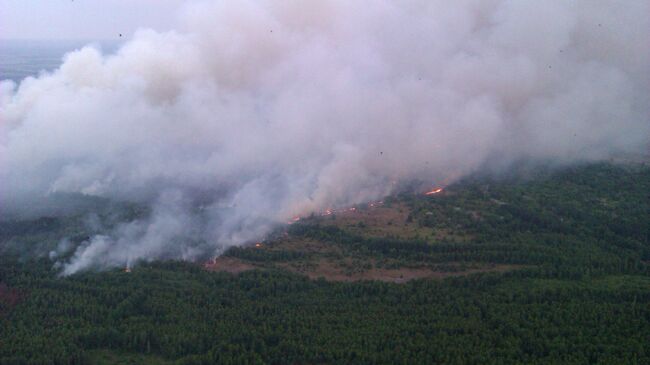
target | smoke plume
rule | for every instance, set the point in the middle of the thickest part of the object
(256, 111)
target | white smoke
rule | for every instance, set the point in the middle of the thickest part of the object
(257, 111)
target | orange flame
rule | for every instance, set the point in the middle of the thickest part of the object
(434, 191)
(331, 211)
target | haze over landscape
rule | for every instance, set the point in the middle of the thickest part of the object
(324, 182)
(255, 112)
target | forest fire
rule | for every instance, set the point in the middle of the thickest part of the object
(434, 191)
(331, 211)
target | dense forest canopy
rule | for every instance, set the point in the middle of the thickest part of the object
(576, 244)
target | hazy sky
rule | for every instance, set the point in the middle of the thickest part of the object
(84, 19)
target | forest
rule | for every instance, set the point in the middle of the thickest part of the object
(575, 242)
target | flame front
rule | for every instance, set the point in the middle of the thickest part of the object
(434, 191)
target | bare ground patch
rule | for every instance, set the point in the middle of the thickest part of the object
(299, 244)
(381, 221)
(377, 221)
(333, 262)
(9, 298)
(351, 270)
(335, 271)
(228, 264)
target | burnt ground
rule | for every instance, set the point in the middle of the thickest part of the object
(334, 261)
(9, 298)
(355, 269)
(530, 218)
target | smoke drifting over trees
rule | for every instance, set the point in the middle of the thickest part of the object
(255, 112)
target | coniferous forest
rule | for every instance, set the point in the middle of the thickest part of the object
(574, 245)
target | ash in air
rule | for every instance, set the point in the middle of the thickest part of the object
(257, 112)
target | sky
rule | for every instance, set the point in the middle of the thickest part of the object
(84, 19)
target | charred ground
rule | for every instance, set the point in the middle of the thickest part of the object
(541, 266)
(347, 245)
(530, 220)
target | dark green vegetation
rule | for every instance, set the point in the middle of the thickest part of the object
(580, 238)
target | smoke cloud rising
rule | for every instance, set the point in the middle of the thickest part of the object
(256, 111)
